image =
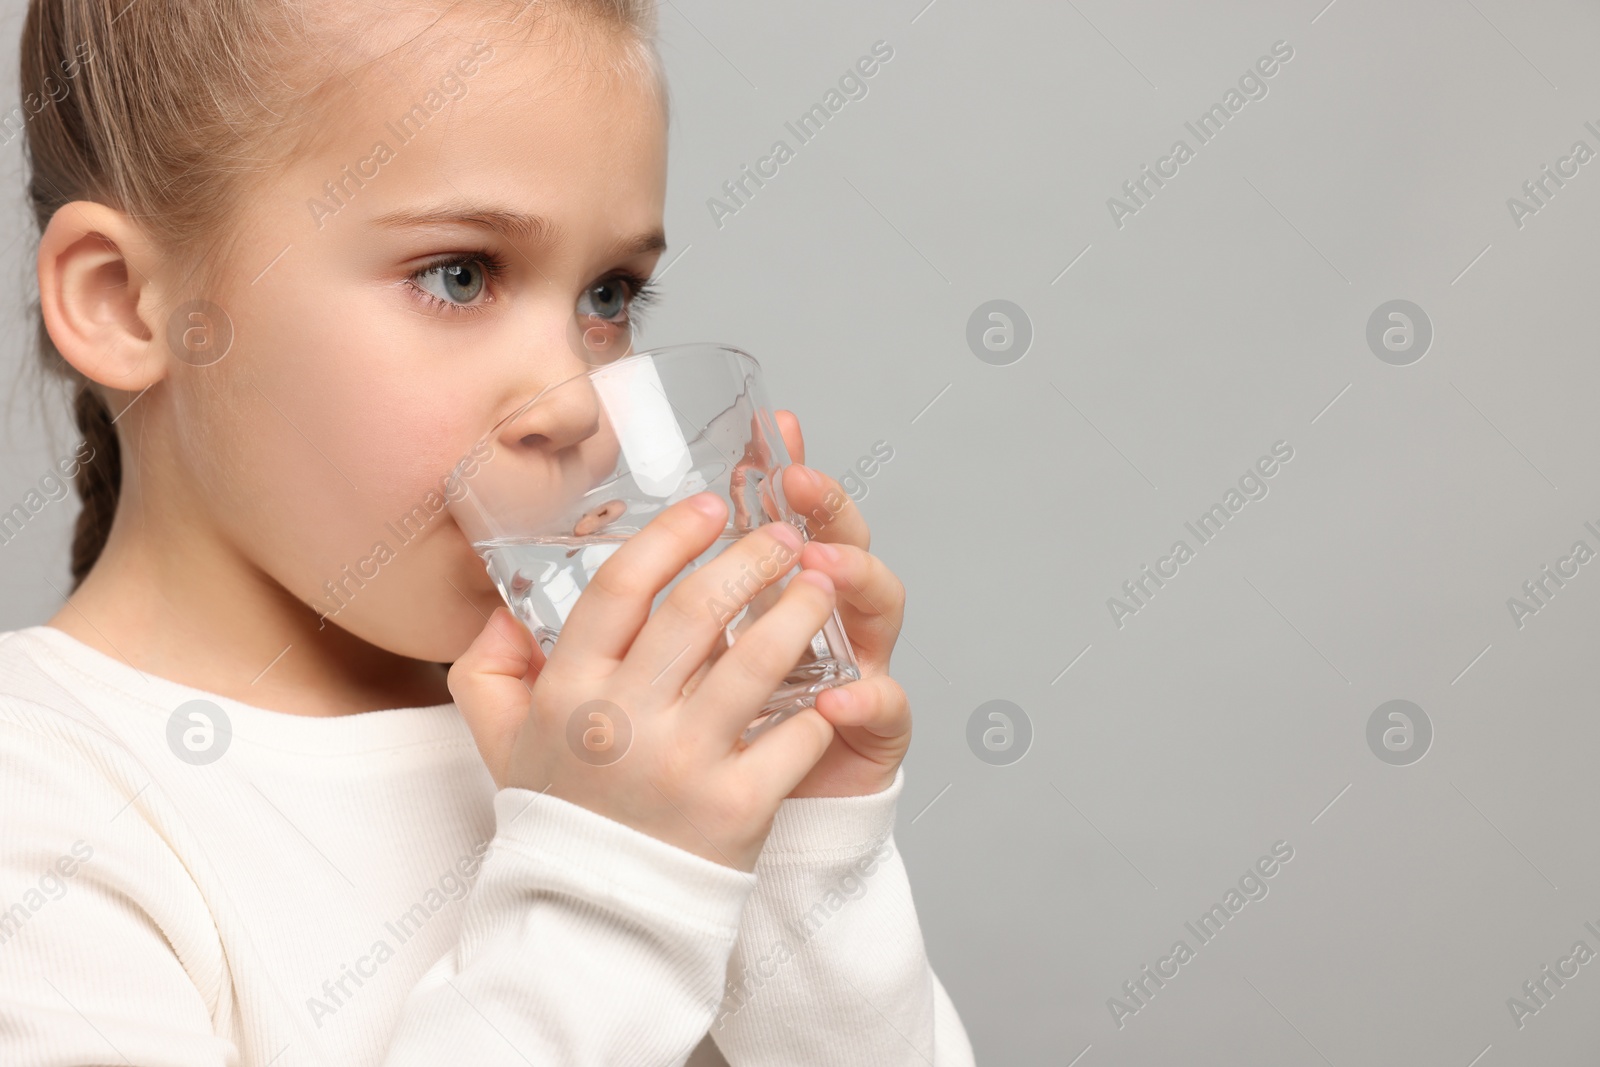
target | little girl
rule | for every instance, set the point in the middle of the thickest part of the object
(294, 260)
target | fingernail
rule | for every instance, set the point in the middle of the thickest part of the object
(785, 533)
(828, 553)
(708, 504)
(807, 475)
(843, 700)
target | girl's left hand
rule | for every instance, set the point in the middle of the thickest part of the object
(871, 717)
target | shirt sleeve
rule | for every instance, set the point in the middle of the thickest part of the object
(830, 965)
(584, 942)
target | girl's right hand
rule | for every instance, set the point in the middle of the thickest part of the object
(686, 777)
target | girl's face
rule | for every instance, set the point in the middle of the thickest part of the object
(469, 205)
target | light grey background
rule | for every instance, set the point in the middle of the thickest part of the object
(1229, 313)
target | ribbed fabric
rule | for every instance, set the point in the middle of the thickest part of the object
(354, 891)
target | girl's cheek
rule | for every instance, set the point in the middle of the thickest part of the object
(353, 381)
(330, 440)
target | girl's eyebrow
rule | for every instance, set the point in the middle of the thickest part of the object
(514, 225)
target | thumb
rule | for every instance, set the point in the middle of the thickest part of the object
(492, 685)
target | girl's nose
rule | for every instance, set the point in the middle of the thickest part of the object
(566, 409)
(563, 415)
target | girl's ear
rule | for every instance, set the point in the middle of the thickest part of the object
(96, 294)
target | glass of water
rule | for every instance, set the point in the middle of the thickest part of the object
(582, 466)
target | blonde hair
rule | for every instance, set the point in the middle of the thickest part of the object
(170, 110)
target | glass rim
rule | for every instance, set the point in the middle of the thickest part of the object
(674, 350)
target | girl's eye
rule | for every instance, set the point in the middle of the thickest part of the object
(608, 315)
(457, 282)
(606, 299)
(464, 283)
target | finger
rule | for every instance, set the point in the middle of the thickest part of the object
(872, 599)
(873, 715)
(744, 677)
(779, 759)
(616, 601)
(676, 640)
(789, 426)
(491, 682)
(829, 512)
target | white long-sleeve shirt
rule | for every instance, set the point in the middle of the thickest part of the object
(355, 891)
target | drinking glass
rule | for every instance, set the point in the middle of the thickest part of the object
(582, 466)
